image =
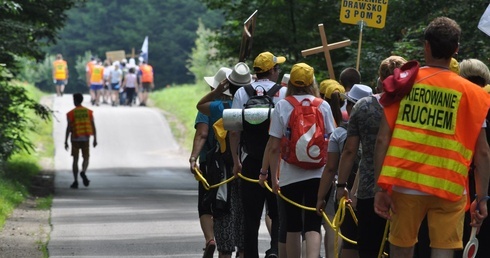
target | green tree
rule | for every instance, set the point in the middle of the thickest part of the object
(26, 27)
(39, 73)
(107, 25)
(198, 63)
(285, 27)
(13, 119)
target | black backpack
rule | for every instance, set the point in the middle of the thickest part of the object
(219, 167)
(254, 137)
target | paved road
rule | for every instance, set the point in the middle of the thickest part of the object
(142, 200)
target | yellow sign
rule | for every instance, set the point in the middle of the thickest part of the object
(117, 55)
(371, 12)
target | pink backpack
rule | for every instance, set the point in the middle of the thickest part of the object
(305, 143)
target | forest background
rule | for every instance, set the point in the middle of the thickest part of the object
(191, 39)
(284, 27)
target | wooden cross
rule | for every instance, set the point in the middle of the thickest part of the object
(325, 48)
(132, 55)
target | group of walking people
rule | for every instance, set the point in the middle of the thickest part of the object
(116, 83)
(412, 153)
(119, 82)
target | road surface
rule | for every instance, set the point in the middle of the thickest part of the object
(142, 199)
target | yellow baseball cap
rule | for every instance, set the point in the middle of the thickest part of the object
(302, 75)
(454, 65)
(266, 61)
(487, 88)
(329, 86)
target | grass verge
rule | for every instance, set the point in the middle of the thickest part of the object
(21, 168)
(179, 106)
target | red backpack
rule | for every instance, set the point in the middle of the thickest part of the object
(305, 143)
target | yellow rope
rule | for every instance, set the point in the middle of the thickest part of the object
(382, 247)
(335, 224)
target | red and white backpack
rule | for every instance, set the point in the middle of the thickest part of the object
(305, 143)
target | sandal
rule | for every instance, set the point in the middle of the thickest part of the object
(209, 249)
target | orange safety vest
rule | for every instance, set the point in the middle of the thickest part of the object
(90, 66)
(435, 129)
(81, 119)
(60, 68)
(97, 75)
(146, 73)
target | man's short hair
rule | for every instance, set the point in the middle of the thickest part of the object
(443, 36)
(348, 77)
(77, 98)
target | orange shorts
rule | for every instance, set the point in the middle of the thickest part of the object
(76, 146)
(445, 219)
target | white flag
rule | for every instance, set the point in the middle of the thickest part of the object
(144, 50)
(484, 24)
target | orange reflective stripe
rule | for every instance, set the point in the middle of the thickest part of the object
(447, 189)
(434, 144)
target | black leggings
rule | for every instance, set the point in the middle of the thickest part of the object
(129, 95)
(305, 193)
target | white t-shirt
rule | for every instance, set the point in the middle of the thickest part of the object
(279, 122)
(130, 80)
(116, 75)
(107, 72)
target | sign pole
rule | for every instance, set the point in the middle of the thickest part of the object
(361, 26)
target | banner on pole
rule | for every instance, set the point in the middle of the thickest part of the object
(144, 50)
(484, 24)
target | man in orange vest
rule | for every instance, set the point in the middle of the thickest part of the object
(88, 70)
(80, 126)
(425, 144)
(146, 81)
(60, 74)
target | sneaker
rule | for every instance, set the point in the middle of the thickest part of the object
(86, 182)
(209, 249)
(74, 185)
(270, 254)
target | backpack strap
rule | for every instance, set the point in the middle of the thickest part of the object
(292, 100)
(317, 102)
(249, 90)
(272, 91)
